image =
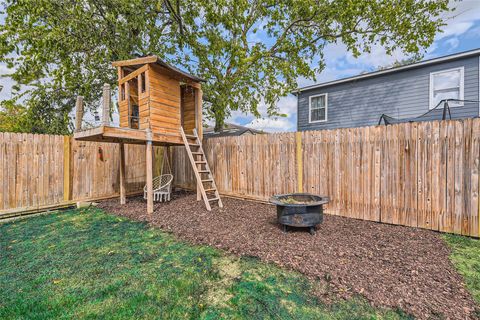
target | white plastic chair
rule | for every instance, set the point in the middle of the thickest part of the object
(162, 188)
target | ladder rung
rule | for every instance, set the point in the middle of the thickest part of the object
(207, 180)
(208, 190)
(190, 136)
(213, 199)
(203, 171)
(196, 152)
(201, 161)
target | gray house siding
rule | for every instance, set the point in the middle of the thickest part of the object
(399, 94)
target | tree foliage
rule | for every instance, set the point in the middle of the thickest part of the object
(250, 51)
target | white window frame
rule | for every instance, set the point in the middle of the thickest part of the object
(462, 86)
(310, 108)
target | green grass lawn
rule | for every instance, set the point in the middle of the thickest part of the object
(466, 258)
(87, 264)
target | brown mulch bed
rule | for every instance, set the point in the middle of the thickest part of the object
(391, 266)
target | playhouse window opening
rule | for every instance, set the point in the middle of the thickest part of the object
(134, 117)
(122, 92)
(143, 85)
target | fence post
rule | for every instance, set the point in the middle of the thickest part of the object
(106, 105)
(78, 114)
(298, 140)
(67, 190)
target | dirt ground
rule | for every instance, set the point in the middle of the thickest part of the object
(391, 266)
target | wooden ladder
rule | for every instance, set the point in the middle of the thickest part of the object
(203, 175)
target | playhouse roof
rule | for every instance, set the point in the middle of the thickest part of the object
(137, 62)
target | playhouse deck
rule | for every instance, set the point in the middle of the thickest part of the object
(127, 135)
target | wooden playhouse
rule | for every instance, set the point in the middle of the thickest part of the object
(158, 105)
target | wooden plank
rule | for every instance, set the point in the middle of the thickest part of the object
(422, 141)
(149, 174)
(413, 159)
(449, 176)
(66, 169)
(3, 151)
(475, 161)
(136, 61)
(299, 154)
(18, 171)
(467, 177)
(198, 110)
(5, 181)
(123, 199)
(436, 179)
(132, 75)
(78, 113)
(384, 185)
(459, 163)
(165, 121)
(402, 178)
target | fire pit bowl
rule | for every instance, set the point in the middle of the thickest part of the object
(299, 210)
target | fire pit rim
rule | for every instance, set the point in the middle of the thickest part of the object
(275, 200)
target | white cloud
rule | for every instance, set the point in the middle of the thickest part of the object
(455, 29)
(286, 105)
(453, 43)
(461, 19)
(273, 124)
(473, 32)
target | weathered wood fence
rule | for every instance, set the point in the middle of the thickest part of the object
(39, 171)
(414, 174)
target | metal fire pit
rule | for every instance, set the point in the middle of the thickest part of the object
(299, 210)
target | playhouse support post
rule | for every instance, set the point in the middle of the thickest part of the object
(106, 105)
(149, 168)
(123, 198)
(198, 121)
(78, 113)
(170, 162)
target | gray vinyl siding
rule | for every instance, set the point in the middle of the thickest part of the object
(400, 94)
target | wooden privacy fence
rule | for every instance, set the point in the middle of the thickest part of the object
(39, 171)
(414, 174)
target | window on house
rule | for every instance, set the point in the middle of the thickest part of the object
(318, 108)
(446, 84)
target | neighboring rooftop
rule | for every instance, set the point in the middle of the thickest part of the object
(419, 64)
(230, 129)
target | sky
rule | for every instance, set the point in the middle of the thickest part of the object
(461, 33)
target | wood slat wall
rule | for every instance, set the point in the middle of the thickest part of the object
(94, 177)
(31, 170)
(422, 175)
